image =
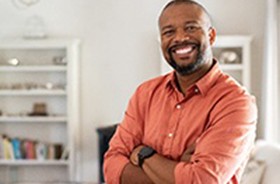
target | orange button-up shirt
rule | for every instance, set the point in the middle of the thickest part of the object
(216, 114)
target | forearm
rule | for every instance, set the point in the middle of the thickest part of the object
(160, 169)
(134, 175)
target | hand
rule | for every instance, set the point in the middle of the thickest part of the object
(186, 156)
(134, 155)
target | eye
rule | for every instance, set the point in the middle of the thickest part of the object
(191, 28)
(168, 32)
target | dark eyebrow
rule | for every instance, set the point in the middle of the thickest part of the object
(187, 22)
(166, 27)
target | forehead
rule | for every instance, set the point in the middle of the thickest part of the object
(178, 13)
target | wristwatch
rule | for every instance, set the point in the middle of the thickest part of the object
(145, 153)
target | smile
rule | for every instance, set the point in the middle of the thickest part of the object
(184, 50)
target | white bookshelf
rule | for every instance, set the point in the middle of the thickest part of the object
(32, 92)
(34, 162)
(26, 119)
(37, 67)
(239, 44)
(33, 68)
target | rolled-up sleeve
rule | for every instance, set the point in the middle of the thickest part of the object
(128, 135)
(224, 146)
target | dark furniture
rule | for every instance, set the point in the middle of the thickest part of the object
(104, 136)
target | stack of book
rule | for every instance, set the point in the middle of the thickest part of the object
(16, 148)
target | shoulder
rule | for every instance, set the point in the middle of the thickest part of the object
(233, 98)
(228, 87)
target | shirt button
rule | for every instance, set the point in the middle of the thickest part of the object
(170, 135)
(178, 106)
(196, 90)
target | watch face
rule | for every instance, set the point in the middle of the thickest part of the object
(146, 152)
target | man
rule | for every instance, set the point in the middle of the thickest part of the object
(195, 125)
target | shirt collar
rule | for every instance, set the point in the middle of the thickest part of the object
(209, 79)
(203, 84)
(170, 80)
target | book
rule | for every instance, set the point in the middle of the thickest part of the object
(30, 149)
(57, 151)
(7, 148)
(22, 148)
(65, 153)
(11, 150)
(41, 151)
(50, 151)
(16, 148)
(1, 147)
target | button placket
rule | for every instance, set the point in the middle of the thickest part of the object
(172, 127)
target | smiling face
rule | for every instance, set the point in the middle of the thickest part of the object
(186, 37)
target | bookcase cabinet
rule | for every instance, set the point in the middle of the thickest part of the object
(233, 54)
(40, 72)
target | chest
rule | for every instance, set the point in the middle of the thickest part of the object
(172, 124)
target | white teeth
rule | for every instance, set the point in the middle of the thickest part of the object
(184, 50)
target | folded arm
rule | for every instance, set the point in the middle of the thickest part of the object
(158, 168)
(219, 151)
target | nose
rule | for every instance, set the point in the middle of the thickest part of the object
(181, 36)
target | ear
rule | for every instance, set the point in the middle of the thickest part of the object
(212, 35)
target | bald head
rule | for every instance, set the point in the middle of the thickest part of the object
(192, 3)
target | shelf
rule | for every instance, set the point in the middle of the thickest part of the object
(33, 162)
(46, 68)
(32, 92)
(231, 66)
(58, 119)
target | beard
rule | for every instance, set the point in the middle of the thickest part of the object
(201, 58)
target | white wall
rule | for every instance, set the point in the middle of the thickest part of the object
(120, 50)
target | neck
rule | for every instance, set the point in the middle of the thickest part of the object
(185, 81)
